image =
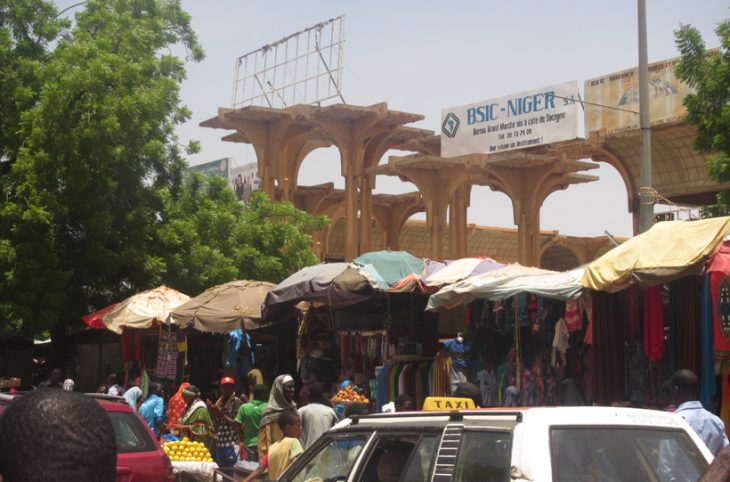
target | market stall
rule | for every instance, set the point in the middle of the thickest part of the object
(657, 310)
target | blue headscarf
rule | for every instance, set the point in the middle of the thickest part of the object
(340, 407)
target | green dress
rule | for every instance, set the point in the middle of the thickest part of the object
(198, 418)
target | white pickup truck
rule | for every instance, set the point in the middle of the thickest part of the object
(566, 444)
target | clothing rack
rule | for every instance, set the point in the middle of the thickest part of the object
(362, 332)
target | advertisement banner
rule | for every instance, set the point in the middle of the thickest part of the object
(245, 180)
(219, 167)
(527, 119)
(612, 101)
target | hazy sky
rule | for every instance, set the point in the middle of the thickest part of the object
(422, 56)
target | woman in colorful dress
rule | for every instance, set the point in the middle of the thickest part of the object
(195, 422)
(176, 405)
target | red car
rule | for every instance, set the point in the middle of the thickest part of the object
(139, 455)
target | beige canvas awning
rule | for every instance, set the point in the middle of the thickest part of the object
(225, 307)
(144, 309)
(669, 250)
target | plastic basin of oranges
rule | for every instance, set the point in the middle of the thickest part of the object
(187, 451)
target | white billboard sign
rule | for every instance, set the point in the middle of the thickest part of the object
(527, 119)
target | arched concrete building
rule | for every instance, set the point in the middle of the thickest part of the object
(363, 222)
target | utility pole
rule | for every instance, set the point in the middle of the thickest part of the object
(646, 199)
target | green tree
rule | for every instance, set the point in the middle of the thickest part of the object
(27, 27)
(97, 148)
(205, 237)
(708, 72)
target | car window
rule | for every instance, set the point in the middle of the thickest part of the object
(484, 456)
(131, 435)
(333, 462)
(615, 454)
(400, 458)
(421, 463)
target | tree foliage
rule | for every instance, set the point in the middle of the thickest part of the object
(27, 27)
(708, 72)
(206, 237)
(95, 202)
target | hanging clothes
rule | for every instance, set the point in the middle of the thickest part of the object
(131, 344)
(561, 343)
(688, 294)
(707, 373)
(608, 351)
(573, 319)
(442, 374)
(720, 289)
(239, 353)
(167, 356)
(653, 324)
(633, 324)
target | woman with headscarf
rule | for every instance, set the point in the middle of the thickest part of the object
(176, 405)
(195, 422)
(340, 407)
(132, 397)
(281, 398)
(254, 378)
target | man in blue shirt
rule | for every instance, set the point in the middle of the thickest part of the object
(152, 410)
(708, 426)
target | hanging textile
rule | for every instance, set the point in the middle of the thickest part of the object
(689, 291)
(131, 342)
(442, 375)
(633, 324)
(608, 348)
(725, 401)
(167, 356)
(560, 344)
(239, 353)
(720, 289)
(653, 324)
(707, 374)
(573, 318)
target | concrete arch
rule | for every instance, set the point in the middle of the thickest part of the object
(607, 156)
(558, 257)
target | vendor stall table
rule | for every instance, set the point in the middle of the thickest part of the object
(194, 471)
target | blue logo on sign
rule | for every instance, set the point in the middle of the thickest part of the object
(450, 125)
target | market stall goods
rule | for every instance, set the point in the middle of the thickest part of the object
(187, 451)
(348, 394)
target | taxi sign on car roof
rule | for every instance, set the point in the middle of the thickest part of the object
(448, 403)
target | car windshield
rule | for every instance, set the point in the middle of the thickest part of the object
(332, 462)
(616, 454)
(130, 433)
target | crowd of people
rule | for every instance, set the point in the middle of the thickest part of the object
(269, 427)
(265, 426)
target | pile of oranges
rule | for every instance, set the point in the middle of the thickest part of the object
(347, 394)
(187, 451)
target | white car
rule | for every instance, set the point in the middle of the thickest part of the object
(566, 444)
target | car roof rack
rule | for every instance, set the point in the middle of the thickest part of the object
(454, 415)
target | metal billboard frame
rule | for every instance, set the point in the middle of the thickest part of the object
(302, 68)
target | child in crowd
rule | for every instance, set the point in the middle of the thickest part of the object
(284, 452)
